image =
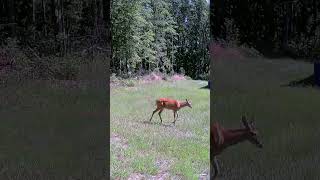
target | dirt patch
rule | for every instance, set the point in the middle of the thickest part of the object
(163, 165)
(136, 176)
(183, 134)
(159, 176)
(204, 175)
(170, 129)
(118, 141)
(163, 173)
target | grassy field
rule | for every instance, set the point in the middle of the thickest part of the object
(52, 132)
(288, 119)
(140, 149)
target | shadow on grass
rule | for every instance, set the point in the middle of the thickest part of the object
(205, 87)
(305, 82)
(158, 123)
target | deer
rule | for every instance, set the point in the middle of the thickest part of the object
(170, 104)
(222, 138)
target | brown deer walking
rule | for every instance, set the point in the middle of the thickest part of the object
(223, 138)
(170, 104)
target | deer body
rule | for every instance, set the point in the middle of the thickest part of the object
(170, 104)
(223, 138)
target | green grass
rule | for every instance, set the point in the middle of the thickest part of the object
(51, 132)
(141, 145)
(287, 118)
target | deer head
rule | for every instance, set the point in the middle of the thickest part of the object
(188, 103)
(252, 132)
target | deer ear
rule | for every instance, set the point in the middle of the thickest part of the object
(245, 122)
(252, 124)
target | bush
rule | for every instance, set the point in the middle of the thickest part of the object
(114, 78)
(232, 32)
(24, 63)
(249, 51)
(204, 76)
(129, 83)
(182, 71)
(64, 68)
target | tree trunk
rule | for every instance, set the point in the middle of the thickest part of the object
(53, 17)
(286, 27)
(44, 18)
(59, 15)
(95, 11)
(11, 17)
(217, 18)
(59, 18)
(34, 18)
(106, 13)
(53, 23)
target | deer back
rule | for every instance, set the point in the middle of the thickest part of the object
(168, 103)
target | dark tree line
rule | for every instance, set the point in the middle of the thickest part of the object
(271, 26)
(54, 28)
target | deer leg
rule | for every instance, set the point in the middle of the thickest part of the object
(160, 114)
(154, 112)
(174, 117)
(175, 114)
(216, 168)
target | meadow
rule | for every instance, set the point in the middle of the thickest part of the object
(53, 129)
(287, 118)
(149, 150)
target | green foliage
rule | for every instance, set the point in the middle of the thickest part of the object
(163, 35)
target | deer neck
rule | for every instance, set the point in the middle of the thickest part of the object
(234, 136)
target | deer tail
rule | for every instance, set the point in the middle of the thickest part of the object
(160, 103)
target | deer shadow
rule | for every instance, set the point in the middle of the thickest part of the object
(158, 123)
(309, 81)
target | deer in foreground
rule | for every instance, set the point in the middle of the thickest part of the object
(170, 104)
(223, 138)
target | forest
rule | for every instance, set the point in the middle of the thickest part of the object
(275, 28)
(164, 36)
(51, 39)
